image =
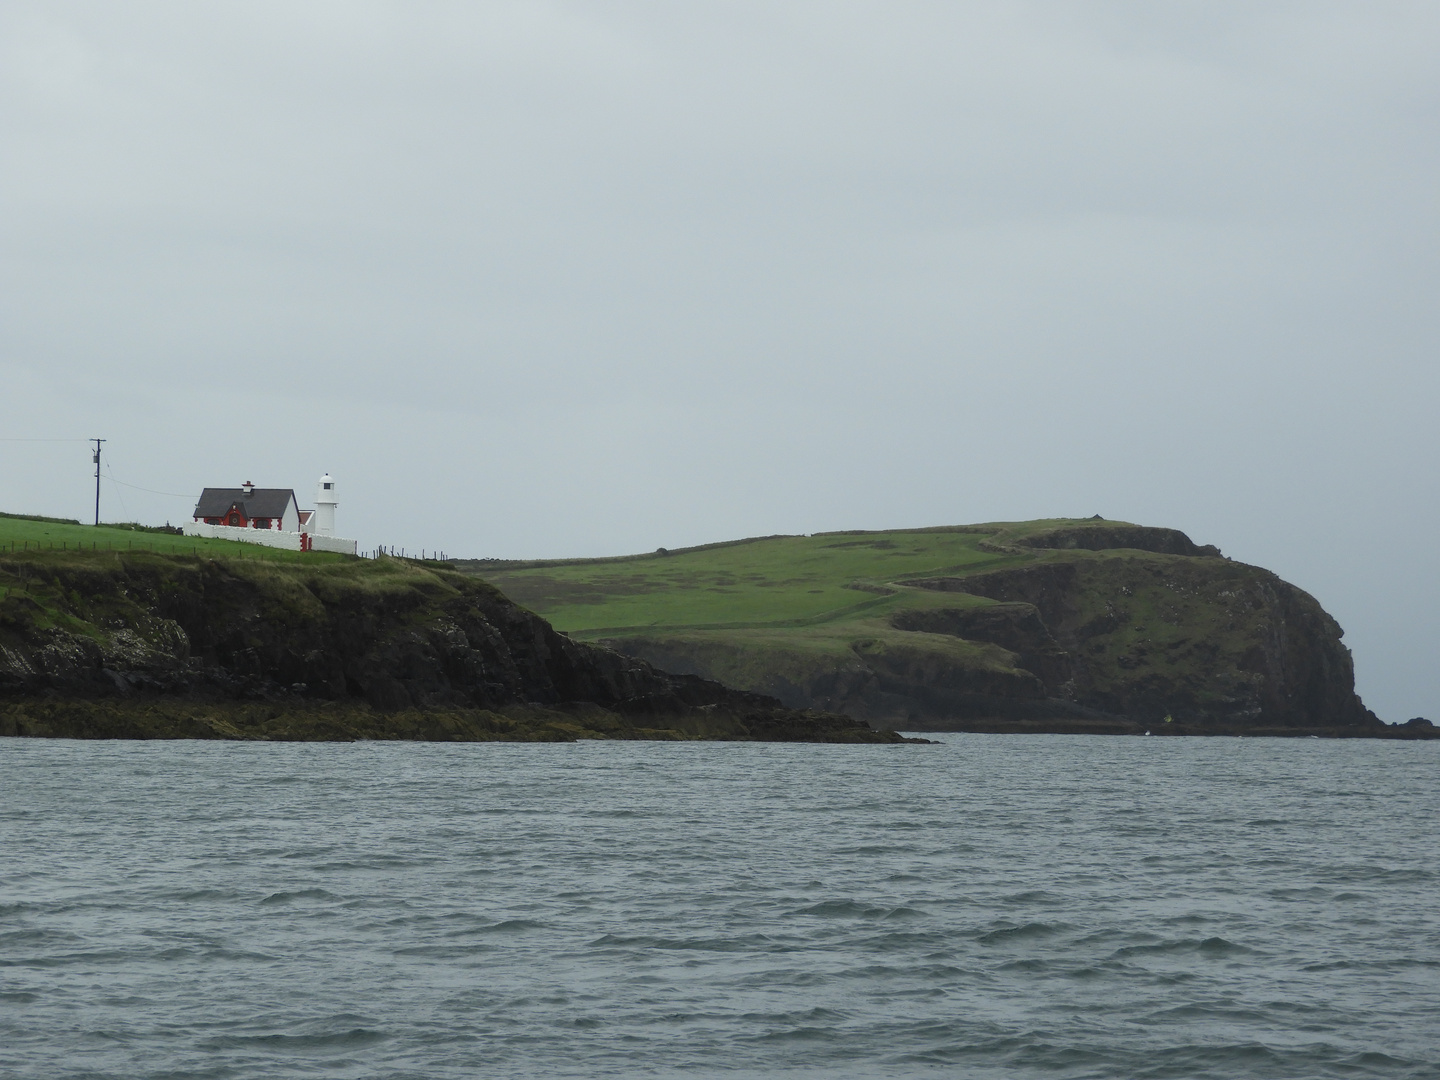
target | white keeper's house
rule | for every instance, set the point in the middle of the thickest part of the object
(270, 516)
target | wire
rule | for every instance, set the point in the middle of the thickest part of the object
(7, 439)
(119, 494)
(152, 491)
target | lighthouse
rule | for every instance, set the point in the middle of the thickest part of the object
(325, 506)
(272, 517)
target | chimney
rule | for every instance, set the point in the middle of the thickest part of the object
(249, 488)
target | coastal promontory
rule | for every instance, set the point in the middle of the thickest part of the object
(207, 640)
(1065, 625)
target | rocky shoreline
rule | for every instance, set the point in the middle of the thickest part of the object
(112, 645)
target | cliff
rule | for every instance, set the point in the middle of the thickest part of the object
(1062, 626)
(111, 644)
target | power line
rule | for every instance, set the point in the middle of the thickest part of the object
(152, 491)
(119, 494)
(109, 475)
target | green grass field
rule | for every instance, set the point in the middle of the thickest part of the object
(773, 611)
(33, 549)
(775, 582)
(20, 534)
(840, 619)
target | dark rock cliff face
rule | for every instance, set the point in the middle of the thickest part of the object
(385, 635)
(1017, 628)
(1109, 537)
(1105, 629)
(1204, 641)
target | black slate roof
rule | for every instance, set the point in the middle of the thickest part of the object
(262, 502)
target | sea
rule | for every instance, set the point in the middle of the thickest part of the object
(989, 906)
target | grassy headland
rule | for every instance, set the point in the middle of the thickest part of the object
(769, 581)
(1083, 625)
(174, 638)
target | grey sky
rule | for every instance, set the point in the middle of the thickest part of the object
(555, 278)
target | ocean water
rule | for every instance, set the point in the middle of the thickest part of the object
(996, 906)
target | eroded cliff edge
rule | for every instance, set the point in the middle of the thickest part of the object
(1104, 628)
(110, 645)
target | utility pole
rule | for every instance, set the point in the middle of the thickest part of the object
(97, 443)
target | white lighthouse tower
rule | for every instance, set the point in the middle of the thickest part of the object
(325, 506)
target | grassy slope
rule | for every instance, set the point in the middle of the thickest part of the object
(837, 621)
(771, 609)
(42, 536)
(771, 582)
(93, 590)
(24, 533)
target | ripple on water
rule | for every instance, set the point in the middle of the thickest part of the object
(849, 909)
(1031, 931)
(292, 896)
(334, 1042)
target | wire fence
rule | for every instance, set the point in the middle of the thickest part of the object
(400, 553)
(179, 547)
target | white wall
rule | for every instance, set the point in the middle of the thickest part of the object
(266, 537)
(333, 543)
(274, 538)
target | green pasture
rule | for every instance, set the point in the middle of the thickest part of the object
(806, 617)
(77, 585)
(21, 534)
(777, 581)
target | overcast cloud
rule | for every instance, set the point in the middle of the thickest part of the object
(550, 278)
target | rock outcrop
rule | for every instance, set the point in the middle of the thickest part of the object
(153, 645)
(1108, 537)
(1201, 640)
(1106, 628)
